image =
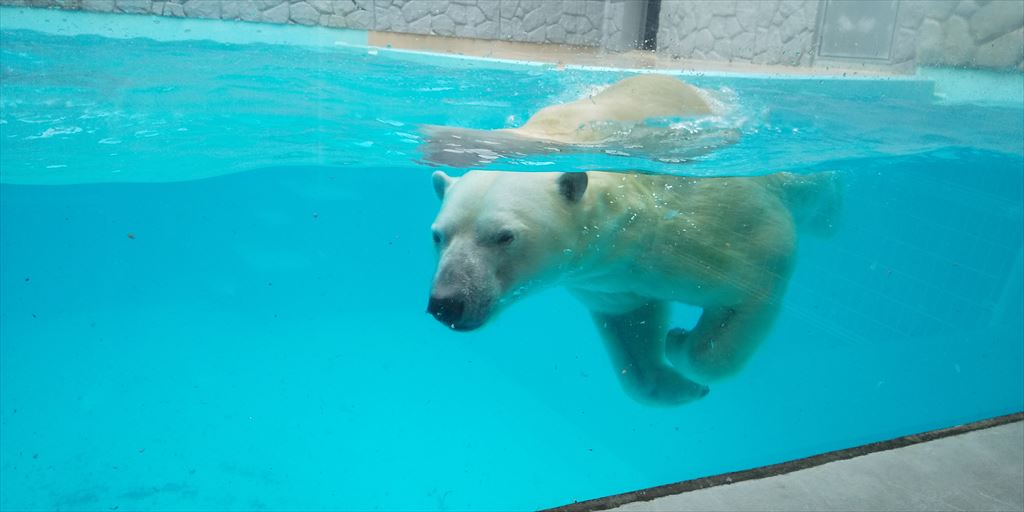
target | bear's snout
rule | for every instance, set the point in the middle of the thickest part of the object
(447, 310)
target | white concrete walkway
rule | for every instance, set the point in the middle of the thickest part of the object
(979, 470)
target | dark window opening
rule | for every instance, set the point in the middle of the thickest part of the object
(650, 39)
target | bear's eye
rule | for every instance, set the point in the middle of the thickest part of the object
(504, 238)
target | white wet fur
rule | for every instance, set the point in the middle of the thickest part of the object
(599, 116)
(628, 247)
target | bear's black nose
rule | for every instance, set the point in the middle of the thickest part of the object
(447, 310)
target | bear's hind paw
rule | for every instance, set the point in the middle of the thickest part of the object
(666, 387)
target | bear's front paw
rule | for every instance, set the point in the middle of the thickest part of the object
(675, 344)
(675, 340)
(678, 343)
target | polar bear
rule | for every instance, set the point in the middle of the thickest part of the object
(580, 124)
(627, 246)
(631, 100)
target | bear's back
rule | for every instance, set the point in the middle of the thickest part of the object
(708, 239)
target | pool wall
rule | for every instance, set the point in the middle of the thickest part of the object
(896, 35)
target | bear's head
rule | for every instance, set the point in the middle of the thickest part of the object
(498, 236)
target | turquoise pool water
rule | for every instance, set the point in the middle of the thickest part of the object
(215, 260)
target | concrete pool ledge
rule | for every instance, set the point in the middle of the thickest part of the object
(976, 466)
(164, 28)
(840, 79)
(583, 57)
(452, 52)
(556, 56)
(946, 85)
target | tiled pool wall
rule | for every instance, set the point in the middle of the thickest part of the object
(895, 35)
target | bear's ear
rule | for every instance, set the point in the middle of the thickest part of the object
(441, 183)
(572, 185)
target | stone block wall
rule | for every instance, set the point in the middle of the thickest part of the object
(891, 34)
(468, 18)
(905, 33)
(962, 33)
(623, 26)
(756, 31)
(574, 22)
(539, 21)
